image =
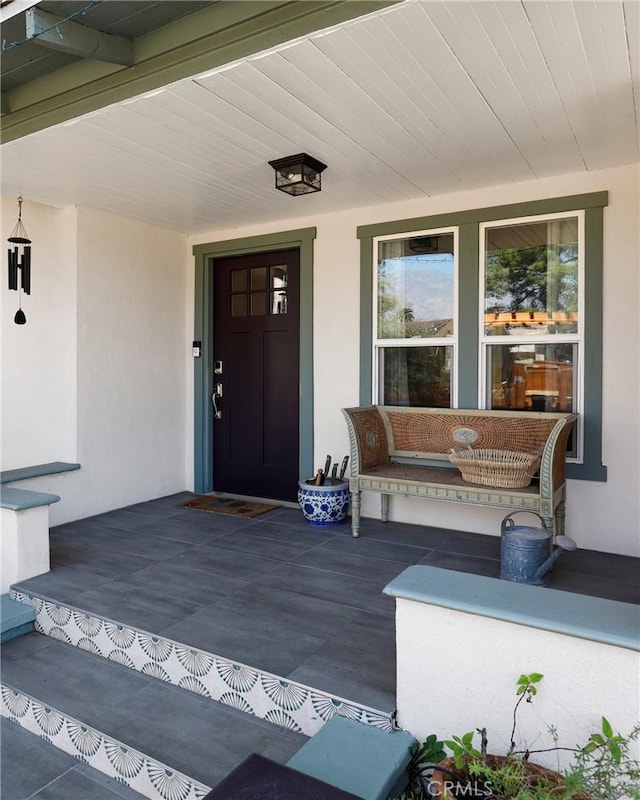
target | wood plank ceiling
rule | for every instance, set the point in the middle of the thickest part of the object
(422, 98)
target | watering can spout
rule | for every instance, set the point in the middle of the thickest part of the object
(563, 543)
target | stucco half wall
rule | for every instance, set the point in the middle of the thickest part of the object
(462, 642)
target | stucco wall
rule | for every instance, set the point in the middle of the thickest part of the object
(602, 516)
(98, 374)
(458, 672)
(102, 371)
(39, 359)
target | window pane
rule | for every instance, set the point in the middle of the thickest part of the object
(239, 280)
(415, 376)
(278, 277)
(258, 304)
(238, 305)
(258, 278)
(531, 278)
(278, 281)
(278, 302)
(416, 287)
(533, 377)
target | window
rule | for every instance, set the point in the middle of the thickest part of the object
(415, 322)
(490, 308)
(259, 291)
(530, 315)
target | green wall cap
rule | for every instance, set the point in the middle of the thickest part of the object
(36, 471)
(21, 499)
(593, 618)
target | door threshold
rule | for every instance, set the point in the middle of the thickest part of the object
(252, 499)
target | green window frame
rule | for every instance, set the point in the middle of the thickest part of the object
(468, 365)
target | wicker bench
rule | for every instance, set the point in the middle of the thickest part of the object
(405, 451)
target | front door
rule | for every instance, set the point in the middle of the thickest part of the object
(256, 374)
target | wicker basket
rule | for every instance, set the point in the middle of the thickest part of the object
(504, 469)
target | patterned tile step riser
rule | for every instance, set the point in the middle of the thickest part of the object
(149, 777)
(291, 705)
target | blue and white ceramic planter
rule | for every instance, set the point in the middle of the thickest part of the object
(324, 505)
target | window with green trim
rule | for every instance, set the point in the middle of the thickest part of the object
(495, 308)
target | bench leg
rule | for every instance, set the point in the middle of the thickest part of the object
(355, 513)
(559, 515)
(384, 507)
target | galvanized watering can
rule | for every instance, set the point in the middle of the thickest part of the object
(527, 553)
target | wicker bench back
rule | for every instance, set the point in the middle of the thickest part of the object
(435, 433)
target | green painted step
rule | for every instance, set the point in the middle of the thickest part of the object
(368, 762)
(16, 619)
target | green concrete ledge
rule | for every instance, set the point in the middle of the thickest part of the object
(366, 761)
(36, 471)
(20, 499)
(16, 619)
(594, 618)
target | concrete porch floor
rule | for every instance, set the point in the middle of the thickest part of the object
(273, 592)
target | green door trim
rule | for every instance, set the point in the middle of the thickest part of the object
(204, 255)
(468, 221)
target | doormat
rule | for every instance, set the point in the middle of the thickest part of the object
(227, 505)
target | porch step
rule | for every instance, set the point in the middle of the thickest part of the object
(162, 741)
(34, 768)
(16, 619)
(276, 699)
(128, 701)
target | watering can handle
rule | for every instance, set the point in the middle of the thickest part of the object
(508, 522)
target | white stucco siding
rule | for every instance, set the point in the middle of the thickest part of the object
(132, 361)
(482, 660)
(601, 516)
(38, 419)
(99, 374)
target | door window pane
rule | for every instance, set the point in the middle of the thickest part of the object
(531, 278)
(415, 376)
(239, 280)
(278, 277)
(416, 287)
(238, 305)
(278, 302)
(258, 278)
(258, 304)
(278, 283)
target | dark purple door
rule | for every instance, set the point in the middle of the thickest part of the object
(256, 351)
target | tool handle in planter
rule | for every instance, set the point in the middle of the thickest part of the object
(508, 522)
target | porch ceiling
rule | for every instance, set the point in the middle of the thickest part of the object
(420, 98)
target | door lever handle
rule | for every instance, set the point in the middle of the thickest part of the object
(217, 392)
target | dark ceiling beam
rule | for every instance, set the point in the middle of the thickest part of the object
(218, 34)
(66, 36)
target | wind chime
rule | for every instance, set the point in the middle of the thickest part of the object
(20, 260)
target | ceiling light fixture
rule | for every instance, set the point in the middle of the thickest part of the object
(299, 174)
